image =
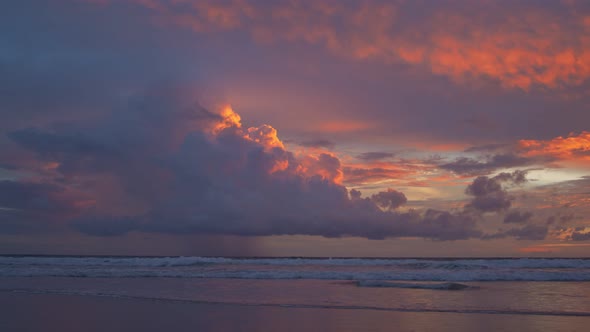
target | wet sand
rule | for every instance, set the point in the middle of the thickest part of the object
(49, 312)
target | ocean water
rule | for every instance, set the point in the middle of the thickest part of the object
(523, 286)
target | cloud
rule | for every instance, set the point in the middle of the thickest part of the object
(175, 167)
(488, 147)
(561, 219)
(488, 193)
(571, 233)
(372, 156)
(520, 46)
(528, 232)
(390, 199)
(574, 148)
(355, 194)
(517, 217)
(317, 143)
(34, 207)
(165, 164)
(88, 151)
(105, 225)
(571, 148)
(580, 236)
(357, 175)
(469, 166)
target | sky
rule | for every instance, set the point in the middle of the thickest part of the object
(295, 128)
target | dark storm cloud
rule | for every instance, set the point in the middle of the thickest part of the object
(192, 175)
(53, 146)
(33, 197)
(489, 194)
(370, 156)
(59, 61)
(105, 226)
(8, 166)
(27, 207)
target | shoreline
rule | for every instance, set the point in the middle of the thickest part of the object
(34, 312)
(296, 306)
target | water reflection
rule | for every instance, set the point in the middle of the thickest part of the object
(26, 312)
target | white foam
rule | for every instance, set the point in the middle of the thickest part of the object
(450, 264)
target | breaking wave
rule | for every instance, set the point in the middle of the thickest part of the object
(451, 270)
(451, 264)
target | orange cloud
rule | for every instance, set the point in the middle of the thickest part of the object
(411, 173)
(326, 165)
(574, 147)
(229, 119)
(518, 46)
(521, 50)
(307, 163)
(369, 175)
(265, 135)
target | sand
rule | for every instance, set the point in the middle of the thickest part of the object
(49, 312)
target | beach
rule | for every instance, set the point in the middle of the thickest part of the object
(50, 312)
(77, 293)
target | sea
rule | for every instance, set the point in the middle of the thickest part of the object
(491, 286)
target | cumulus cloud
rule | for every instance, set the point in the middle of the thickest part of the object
(390, 199)
(489, 195)
(355, 194)
(176, 167)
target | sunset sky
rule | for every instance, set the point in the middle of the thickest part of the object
(295, 128)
